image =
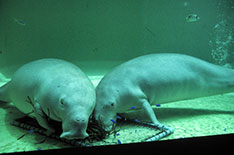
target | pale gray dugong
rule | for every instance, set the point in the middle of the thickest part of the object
(53, 89)
(156, 79)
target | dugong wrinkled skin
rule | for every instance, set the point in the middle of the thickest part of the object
(156, 79)
(53, 89)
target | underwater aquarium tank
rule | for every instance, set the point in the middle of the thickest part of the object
(98, 35)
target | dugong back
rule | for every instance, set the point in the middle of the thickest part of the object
(42, 76)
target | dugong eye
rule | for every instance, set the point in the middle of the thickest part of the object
(112, 104)
(108, 105)
(62, 101)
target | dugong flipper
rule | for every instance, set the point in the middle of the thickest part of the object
(53, 89)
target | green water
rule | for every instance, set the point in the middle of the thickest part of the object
(97, 35)
(111, 30)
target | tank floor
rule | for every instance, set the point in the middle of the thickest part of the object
(191, 118)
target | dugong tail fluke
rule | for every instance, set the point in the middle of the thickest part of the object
(3, 93)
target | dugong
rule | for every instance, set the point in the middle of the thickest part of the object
(53, 89)
(156, 79)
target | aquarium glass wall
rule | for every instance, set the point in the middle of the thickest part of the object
(98, 35)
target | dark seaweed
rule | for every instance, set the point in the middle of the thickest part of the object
(97, 131)
(29, 101)
(21, 136)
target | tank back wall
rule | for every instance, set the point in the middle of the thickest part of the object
(100, 34)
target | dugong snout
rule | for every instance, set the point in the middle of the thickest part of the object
(69, 135)
(106, 123)
(75, 128)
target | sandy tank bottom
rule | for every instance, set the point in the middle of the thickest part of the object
(191, 118)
